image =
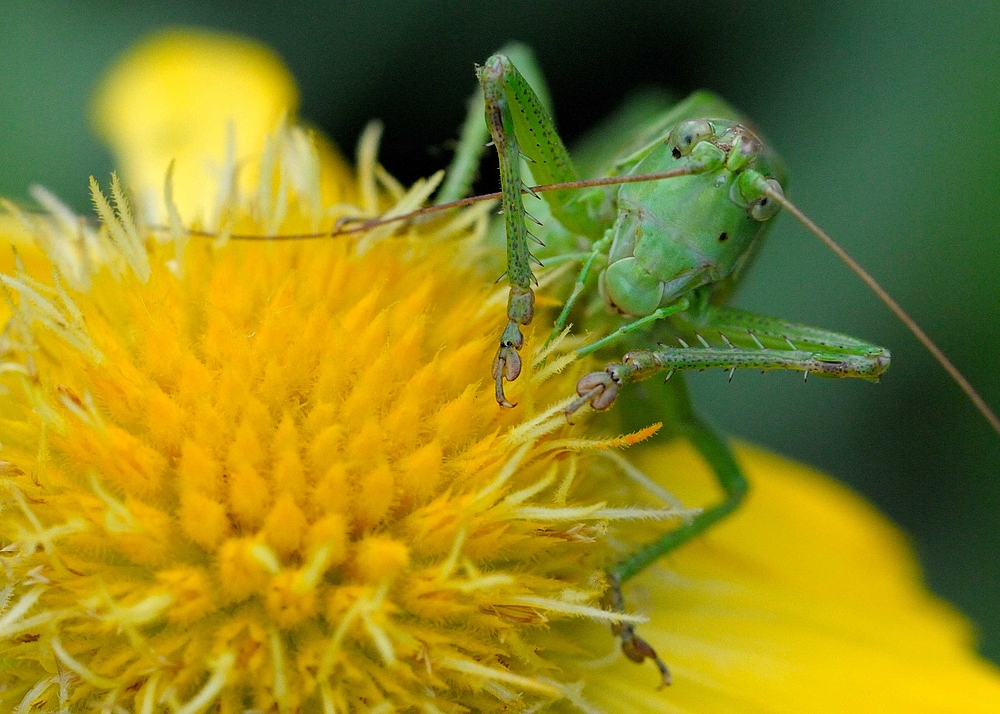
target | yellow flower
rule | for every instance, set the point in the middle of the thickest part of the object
(271, 476)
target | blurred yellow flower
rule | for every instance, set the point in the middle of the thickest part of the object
(206, 103)
(271, 476)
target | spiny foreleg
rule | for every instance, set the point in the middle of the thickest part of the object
(829, 357)
(521, 299)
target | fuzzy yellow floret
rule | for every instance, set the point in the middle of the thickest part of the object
(276, 471)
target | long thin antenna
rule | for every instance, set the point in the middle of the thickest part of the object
(370, 223)
(366, 224)
(780, 198)
(897, 310)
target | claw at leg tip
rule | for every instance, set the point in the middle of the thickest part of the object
(506, 366)
(638, 650)
(501, 397)
(665, 679)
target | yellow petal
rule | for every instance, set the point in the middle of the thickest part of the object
(806, 600)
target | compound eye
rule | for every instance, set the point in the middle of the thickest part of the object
(688, 133)
(765, 207)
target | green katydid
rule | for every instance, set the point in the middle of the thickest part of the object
(667, 254)
(675, 218)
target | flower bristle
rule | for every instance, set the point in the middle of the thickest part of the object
(272, 475)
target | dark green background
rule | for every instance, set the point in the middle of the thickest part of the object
(888, 114)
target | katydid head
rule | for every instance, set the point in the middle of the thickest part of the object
(671, 237)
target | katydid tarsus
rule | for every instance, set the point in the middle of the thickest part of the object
(662, 236)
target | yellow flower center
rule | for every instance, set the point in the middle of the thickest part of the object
(272, 476)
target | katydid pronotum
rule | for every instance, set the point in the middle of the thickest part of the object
(662, 238)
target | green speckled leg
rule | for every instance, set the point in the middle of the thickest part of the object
(677, 412)
(748, 329)
(521, 301)
(720, 459)
(633, 646)
(742, 340)
(521, 127)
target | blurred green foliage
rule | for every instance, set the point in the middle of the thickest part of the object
(887, 113)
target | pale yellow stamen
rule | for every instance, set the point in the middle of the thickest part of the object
(485, 582)
(220, 669)
(28, 702)
(178, 234)
(278, 660)
(533, 490)
(451, 562)
(566, 608)
(554, 367)
(121, 227)
(367, 153)
(487, 494)
(643, 480)
(499, 675)
(77, 668)
(11, 623)
(616, 442)
(567, 483)
(413, 199)
(598, 511)
(544, 423)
